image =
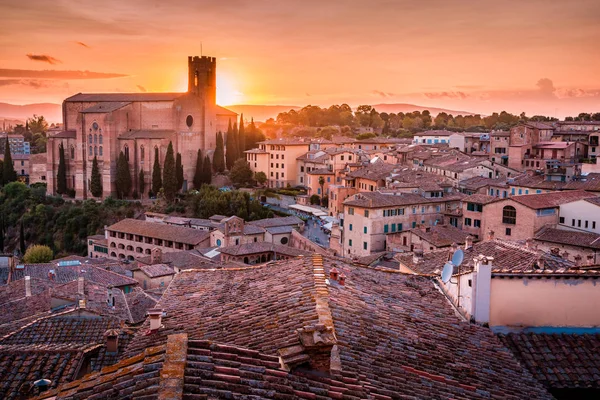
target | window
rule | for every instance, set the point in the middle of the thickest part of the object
(393, 227)
(91, 150)
(385, 228)
(399, 227)
(546, 211)
(579, 223)
(218, 242)
(277, 156)
(572, 222)
(561, 220)
(367, 213)
(72, 151)
(301, 169)
(283, 156)
(328, 179)
(100, 139)
(593, 224)
(474, 207)
(142, 153)
(95, 150)
(271, 154)
(126, 151)
(477, 223)
(349, 242)
(586, 224)
(365, 229)
(414, 224)
(414, 210)
(512, 191)
(468, 222)
(351, 211)
(342, 157)
(90, 138)
(509, 215)
(508, 231)
(423, 210)
(271, 165)
(364, 245)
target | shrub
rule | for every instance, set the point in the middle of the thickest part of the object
(38, 254)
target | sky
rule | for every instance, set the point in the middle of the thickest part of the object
(537, 56)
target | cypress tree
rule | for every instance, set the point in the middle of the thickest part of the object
(1, 234)
(142, 183)
(206, 171)
(241, 139)
(230, 155)
(96, 180)
(169, 174)
(198, 177)
(22, 238)
(123, 177)
(179, 170)
(219, 156)
(156, 174)
(8, 174)
(236, 144)
(61, 176)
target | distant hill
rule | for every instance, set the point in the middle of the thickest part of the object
(403, 107)
(260, 113)
(51, 112)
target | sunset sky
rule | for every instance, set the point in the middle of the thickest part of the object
(538, 56)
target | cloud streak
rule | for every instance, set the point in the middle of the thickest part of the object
(44, 58)
(141, 88)
(54, 74)
(446, 95)
(382, 94)
(33, 83)
(82, 44)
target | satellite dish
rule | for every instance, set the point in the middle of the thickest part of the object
(447, 272)
(458, 257)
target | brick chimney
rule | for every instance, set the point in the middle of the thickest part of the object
(482, 282)
(112, 341)
(318, 340)
(565, 255)
(468, 242)
(490, 235)
(417, 255)
(27, 286)
(590, 260)
(155, 315)
(81, 286)
(156, 256)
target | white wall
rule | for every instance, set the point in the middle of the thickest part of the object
(580, 210)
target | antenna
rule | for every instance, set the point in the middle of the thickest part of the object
(458, 257)
(447, 272)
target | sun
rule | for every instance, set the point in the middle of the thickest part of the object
(227, 94)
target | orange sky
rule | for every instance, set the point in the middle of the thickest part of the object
(538, 56)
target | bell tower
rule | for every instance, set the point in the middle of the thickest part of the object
(202, 78)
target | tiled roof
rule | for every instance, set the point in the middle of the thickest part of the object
(379, 200)
(321, 171)
(105, 107)
(69, 134)
(160, 231)
(509, 258)
(262, 247)
(278, 230)
(435, 133)
(278, 221)
(454, 162)
(550, 200)
(157, 270)
(572, 238)
(480, 199)
(287, 142)
(589, 182)
(375, 172)
(594, 200)
(558, 361)
(441, 235)
(180, 259)
(478, 182)
(249, 229)
(127, 97)
(93, 273)
(138, 303)
(538, 125)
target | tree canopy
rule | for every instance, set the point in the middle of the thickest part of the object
(38, 254)
(156, 173)
(123, 181)
(96, 179)
(241, 174)
(170, 174)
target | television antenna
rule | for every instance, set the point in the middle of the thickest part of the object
(448, 270)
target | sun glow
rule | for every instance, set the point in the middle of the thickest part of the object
(227, 94)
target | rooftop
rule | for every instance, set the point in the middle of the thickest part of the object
(106, 107)
(262, 247)
(440, 235)
(480, 199)
(160, 231)
(157, 270)
(550, 200)
(278, 221)
(567, 237)
(380, 200)
(123, 97)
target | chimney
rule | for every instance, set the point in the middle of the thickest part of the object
(333, 274)
(417, 255)
(529, 244)
(482, 282)
(578, 260)
(42, 385)
(156, 256)
(490, 235)
(590, 260)
(155, 315)
(27, 286)
(468, 242)
(565, 255)
(105, 232)
(112, 341)
(318, 341)
(342, 279)
(80, 286)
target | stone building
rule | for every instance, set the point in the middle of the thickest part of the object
(105, 124)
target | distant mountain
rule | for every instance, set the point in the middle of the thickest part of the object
(403, 107)
(51, 112)
(260, 113)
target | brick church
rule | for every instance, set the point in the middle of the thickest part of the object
(105, 124)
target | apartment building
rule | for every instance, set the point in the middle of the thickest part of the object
(277, 159)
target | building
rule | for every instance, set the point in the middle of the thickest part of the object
(277, 159)
(472, 213)
(233, 231)
(153, 276)
(37, 168)
(581, 215)
(522, 139)
(432, 137)
(17, 143)
(259, 253)
(20, 164)
(131, 238)
(104, 125)
(499, 145)
(583, 248)
(426, 238)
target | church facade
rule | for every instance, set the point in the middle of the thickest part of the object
(105, 124)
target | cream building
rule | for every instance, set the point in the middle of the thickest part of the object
(277, 159)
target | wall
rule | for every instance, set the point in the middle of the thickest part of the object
(150, 283)
(527, 222)
(298, 241)
(587, 213)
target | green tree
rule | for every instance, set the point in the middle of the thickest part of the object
(123, 177)
(96, 179)
(240, 174)
(260, 177)
(38, 254)
(321, 183)
(179, 170)
(61, 176)
(37, 124)
(142, 182)
(230, 155)
(219, 156)
(206, 171)
(22, 238)
(170, 174)
(198, 174)
(241, 139)
(8, 174)
(156, 173)
(315, 199)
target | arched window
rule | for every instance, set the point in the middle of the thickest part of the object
(100, 151)
(90, 138)
(142, 153)
(126, 151)
(100, 139)
(509, 215)
(95, 139)
(91, 151)
(72, 151)
(219, 242)
(113, 254)
(95, 150)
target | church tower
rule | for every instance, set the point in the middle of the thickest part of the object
(202, 78)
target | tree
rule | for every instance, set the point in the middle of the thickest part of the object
(241, 142)
(156, 173)
(198, 174)
(314, 199)
(8, 174)
(123, 176)
(142, 182)
(170, 174)
(179, 170)
(1, 234)
(321, 183)
(219, 156)
(61, 176)
(260, 177)
(96, 180)
(22, 238)
(206, 171)
(240, 174)
(37, 124)
(230, 155)
(38, 254)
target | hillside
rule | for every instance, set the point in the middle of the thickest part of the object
(404, 107)
(260, 113)
(52, 112)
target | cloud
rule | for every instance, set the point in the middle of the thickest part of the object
(382, 94)
(54, 74)
(141, 88)
(446, 95)
(34, 83)
(82, 44)
(44, 58)
(546, 87)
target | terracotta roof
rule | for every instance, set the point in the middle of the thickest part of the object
(180, 259)
(379, 200)
(440, 235)
(123, 97)
(594, 200)
(65, 274)
(480, 199)
(105, 107)
(157, 270)
(249, 229)
(277, 230)
(435, 133)
(572, 238)
(538, 125)
(277, 221)
(509, 258)
(589, 182)
(69, 134)
(160, 231)
(552, 145)
(375, 172)
(478, 182)
(262, 247)
(138, 303)
(559, 360)
(550, 200)
(287, 142)
(224, 111)
(321, 171)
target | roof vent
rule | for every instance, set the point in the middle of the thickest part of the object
(112, 341)
(42, 384)
(155, 315)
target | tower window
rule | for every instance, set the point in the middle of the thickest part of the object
(189, 121)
